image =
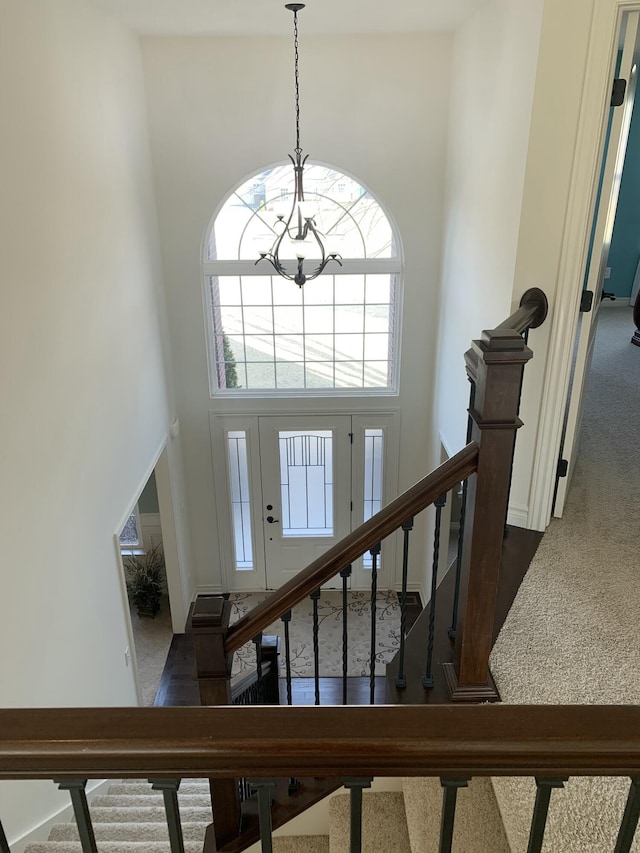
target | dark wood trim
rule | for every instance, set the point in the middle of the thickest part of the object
(377, 528)
(482, 740)
(531, 313)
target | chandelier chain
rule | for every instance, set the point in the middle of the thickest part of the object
(296, 54)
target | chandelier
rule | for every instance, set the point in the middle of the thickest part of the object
(298, 230)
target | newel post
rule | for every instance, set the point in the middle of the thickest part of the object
(210, 623)
(495, 365)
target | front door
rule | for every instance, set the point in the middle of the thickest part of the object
(306, 490)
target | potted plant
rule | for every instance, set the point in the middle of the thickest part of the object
(146, 580)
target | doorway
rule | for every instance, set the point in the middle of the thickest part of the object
(294, 486)
(597, 264)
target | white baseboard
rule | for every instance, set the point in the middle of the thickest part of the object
(40, 833)
(213, 589)
(518, 515)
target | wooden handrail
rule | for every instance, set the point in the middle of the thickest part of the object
(439, 740)
(356, 543)
(531, 313)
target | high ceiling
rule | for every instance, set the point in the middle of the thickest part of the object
(268, 17)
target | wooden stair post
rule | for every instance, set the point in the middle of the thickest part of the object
(210, 623)
(495, 365)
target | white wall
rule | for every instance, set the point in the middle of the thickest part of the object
(494, 69)
(84, 404)
(221, 109)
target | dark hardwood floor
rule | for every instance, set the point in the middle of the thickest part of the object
(179, 687)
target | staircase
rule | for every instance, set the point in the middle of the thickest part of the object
(130, 818)
(407, 821)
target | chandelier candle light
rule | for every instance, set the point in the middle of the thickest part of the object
(299, 227)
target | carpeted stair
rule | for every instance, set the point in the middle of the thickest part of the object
(130, 817)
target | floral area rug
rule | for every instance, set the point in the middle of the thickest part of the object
(329, 634)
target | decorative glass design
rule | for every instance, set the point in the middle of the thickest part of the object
(240, 499)
(306, 482)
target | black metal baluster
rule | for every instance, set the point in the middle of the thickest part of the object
(356, 786)
(541, 810)
(345, 574)
(629, 818)
(77, 792)
(401, 678)
(427, 678)
(264, 787)
(286, 618)
(463, 511)
(375, 553)
(316, 646)
(4, 844)
(169, 788)
(447, 818)
(257, 642)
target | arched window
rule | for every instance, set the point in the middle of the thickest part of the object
(336, 334)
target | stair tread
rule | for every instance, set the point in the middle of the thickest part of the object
(148, 814)
(115, 801)
(124, 831)
(384, 823)
(301, 844)
(478, 826)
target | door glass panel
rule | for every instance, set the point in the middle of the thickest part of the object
(373, 455)
(240, 506)
(306, 482)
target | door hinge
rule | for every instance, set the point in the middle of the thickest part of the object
(351, 506)
(618, 92)
(351, 437)
(563, 467)
(586, 301)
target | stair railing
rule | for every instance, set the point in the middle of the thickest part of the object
(355, 744)
(495, 366)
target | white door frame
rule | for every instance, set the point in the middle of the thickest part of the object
(596, 95)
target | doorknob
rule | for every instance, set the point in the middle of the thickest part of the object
(272, 520)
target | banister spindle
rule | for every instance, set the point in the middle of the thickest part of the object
(541, 810)
(264, 787)
(345, 574)
(169, 788)
(427, 678)
(78, 794)
(448, 815)
(463, 512)
(316, 646)
(356, 786)
(4, 844)
(286, 619)
(629, 818)
(257, 642)
(401, 678)
(375, 553)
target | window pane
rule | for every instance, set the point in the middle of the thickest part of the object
(231, 322)
(373, 457)
(240, 497)
(306, 482)
(290, 374)
(349, 347)
(319, 347)
(319, 374)
(289, 348)
(376, 318)
(376, 374)
(317, 319)
(319, 291)
(259, 347)
(349, 374)
(287, 319)
(261, 376)
(378, 289)
(376, 347)
(130, 538)
(258, 321)
(228, 289)
(349, 318)
(349, 289)
(256, 290)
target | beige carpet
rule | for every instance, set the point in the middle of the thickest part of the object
(571, 636)
(330, 633)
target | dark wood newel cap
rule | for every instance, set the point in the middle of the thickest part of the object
(210, 612)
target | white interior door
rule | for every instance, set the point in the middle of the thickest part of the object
(306, 490)
(605, 217)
